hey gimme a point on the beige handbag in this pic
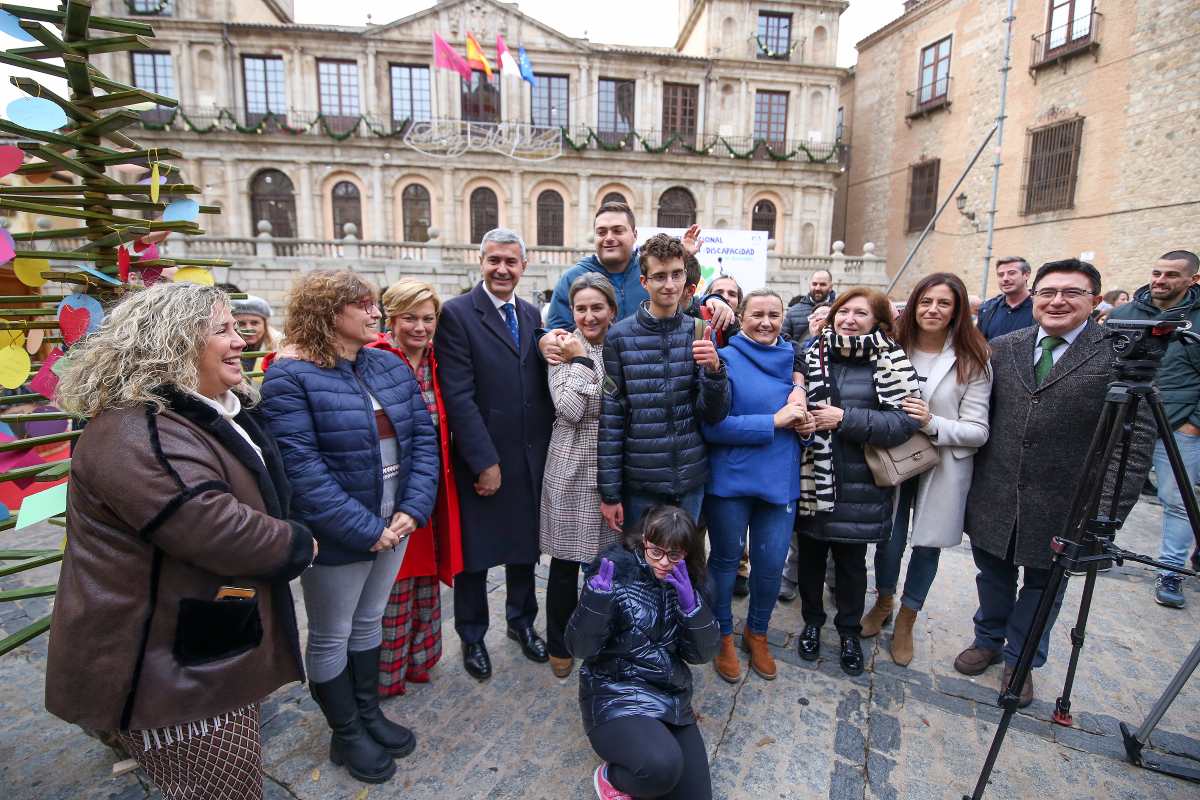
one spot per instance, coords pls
(892, 466)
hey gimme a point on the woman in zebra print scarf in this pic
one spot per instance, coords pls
(856, 378)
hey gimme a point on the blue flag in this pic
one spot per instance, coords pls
(526, 67)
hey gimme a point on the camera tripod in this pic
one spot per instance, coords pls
(1087, 545)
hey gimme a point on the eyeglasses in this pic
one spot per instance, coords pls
(658, 554)
(1068, 294)
(675, 276)
(366, 304)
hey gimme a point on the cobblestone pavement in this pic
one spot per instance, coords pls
(919, 732)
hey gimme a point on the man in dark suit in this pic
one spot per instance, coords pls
(1047, 395)
(500, 413)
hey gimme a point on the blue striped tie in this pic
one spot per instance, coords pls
(510, 317)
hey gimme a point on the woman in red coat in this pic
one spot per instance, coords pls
(412, 623)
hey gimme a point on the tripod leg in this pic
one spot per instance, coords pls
(1135, 742)
(1178, 470)
(1062, 706)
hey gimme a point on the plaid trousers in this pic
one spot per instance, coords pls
(412, 634)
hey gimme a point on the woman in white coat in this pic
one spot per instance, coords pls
(951, 359)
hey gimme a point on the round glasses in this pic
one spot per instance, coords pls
(658, 554)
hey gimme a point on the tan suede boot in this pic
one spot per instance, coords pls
(902, 643)
(879, 615)
(761, 660)
(726, 663)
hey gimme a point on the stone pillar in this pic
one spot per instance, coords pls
(584, 201)
(306, 226)
(744, 114)
(739, 206)
(297, 90)
(186, 88)
(263, 246)
(792, 242)
(369, 102)
(379, 203)
(647, 213)
(237, 201)
(586, 113)
(450, 232)
(706, 213)
(515, 216)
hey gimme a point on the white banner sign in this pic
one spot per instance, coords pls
(740, 254)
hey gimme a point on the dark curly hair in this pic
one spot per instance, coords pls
(670, 528)
(663, 247)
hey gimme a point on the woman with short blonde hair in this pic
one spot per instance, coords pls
(412, 626)
(174, 488)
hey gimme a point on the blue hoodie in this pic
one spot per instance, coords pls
(747, 455)
(628, 286)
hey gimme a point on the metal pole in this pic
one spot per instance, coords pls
(949, 196)
(1000, 117)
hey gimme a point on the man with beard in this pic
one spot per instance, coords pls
(1173, 294)
(1012, 309)
(820, 292)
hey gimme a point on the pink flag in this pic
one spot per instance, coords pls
(508, 64)
(445, 57)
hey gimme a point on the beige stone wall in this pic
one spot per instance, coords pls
(1139, 167)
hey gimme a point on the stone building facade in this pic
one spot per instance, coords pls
(312, 127)
(1101, 150)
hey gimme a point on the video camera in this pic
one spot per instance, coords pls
(1140, 344)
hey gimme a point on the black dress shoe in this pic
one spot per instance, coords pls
(852, 656)
(477, 661)
(532, 645)
(810, 643)
(741, 586)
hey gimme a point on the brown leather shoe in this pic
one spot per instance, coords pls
(1026, 696)
(761, 660)
(879, 615)
(976, 660)
(561, 667)
(726, 663)
(902, 636)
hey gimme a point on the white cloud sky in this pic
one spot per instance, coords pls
(635, 22)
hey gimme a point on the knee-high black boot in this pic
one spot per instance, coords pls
(350, 744)
(393, 737)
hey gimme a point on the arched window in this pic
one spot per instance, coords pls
(272, 199)
(614, 197)
(550, 219)
(676, 208)
(762, 218)
(485, 213)
(347, 207)
(414, 201)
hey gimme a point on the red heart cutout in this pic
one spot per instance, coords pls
(74, 323)
(10, 158)
(45, 381)
(123, 264)
(151, 275)
(148, 253)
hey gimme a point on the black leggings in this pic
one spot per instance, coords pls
(650, 758)
(562, 595)
(850, 591)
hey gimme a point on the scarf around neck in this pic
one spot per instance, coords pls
(894, 379)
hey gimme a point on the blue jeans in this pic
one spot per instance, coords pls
(1004, 617)
(770, 529)
(1177, 538)
(638, 503)
(922, 564)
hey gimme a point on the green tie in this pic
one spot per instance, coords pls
(1046, 362)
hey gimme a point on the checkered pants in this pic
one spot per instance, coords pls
(217, 759)
(412, 634)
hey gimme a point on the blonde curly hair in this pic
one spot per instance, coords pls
(150, 340)
(314, 302)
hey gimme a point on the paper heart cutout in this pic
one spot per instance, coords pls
(98, 275)
(154, 238)
(194, 275)
(151, 275)
(12, 338)
(38, 177)
(181, 211)
(29, 271)
(74, 323)
(36, 113)
(149, 252)
(45, 382)
(8, 248)
(14, 367)
(46, 427)
(10, 158)
(33, 340)
(11, 25)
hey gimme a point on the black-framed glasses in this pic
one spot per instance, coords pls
(1071, 293)
(658, 554)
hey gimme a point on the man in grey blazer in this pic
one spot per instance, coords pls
(1047, 396)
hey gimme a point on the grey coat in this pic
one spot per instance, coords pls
(1027, 473)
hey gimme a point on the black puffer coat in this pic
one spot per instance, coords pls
(654, 399)
(863, 511)
(634, 641)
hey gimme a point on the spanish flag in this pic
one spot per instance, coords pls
(475, 56)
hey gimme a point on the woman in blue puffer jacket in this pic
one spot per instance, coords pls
(361, 453)
(640, 621)
(753, 477)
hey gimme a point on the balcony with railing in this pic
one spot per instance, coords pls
(1080, 35)
(930, 97)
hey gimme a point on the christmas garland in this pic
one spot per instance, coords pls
(769, 53)
(272, 122)
(579, 145)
